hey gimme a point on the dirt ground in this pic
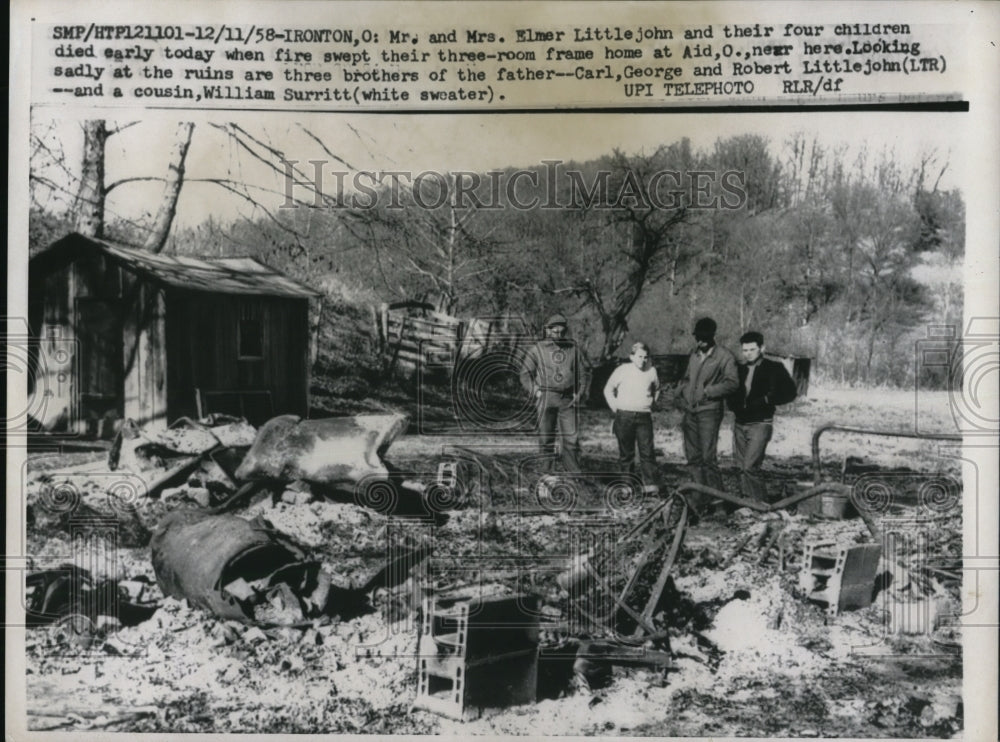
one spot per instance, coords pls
(751, 657)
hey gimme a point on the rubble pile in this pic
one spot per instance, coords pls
(280, 599)
(328, 670)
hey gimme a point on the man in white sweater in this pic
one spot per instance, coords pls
(631, 393)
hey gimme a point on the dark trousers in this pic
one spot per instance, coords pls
(634, 431)
(701, 442)
(749, 444)
(557, 413)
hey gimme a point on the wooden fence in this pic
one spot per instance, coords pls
(414, 334)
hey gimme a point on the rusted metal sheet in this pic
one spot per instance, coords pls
(134, 448)
(241, 276)
(247, 571)
(237, 569)
(333, 450)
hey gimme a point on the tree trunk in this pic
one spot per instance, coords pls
(625, 298)
(807, 289)
(871, 353)
(171, 189)
(850, 282)
(612, 341)
(89, 203)
(451, 294)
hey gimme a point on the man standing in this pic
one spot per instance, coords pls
(710, 378)
(551, 374)
(763, 385)
(631, 393)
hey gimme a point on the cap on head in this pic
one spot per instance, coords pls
(705, 328)
(556, 319)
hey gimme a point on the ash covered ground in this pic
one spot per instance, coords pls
(751, 657)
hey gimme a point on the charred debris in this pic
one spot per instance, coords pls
(612, 604)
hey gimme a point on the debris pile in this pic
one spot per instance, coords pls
(71, 592)
(202, 451)
(295, 617)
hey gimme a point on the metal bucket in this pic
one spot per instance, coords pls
(829, 505)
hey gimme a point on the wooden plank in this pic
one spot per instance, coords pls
(432, 318)
(445, 318)
(408, 345)
(425, 321)
(145, 355)
(430, 336)
(395, 350)
(409, 355)
(415, 342)
(415, 328)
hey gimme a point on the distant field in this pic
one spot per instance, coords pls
(873, 409)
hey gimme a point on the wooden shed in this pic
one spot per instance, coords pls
(154, 337)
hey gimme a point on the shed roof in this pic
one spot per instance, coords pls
(215, 275)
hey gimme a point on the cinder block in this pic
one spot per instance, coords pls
(475, 653)
(840, 577)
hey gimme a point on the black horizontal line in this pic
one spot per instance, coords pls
(960, 106)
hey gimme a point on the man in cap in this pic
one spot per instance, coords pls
(552, 375)
(763, 385)
(710, 378)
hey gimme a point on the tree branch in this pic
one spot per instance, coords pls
(326, 149)
(123, 181)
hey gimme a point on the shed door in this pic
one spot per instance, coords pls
(99, 332)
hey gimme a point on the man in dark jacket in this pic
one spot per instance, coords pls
(710, 378)
(764, 384)
(553, 376)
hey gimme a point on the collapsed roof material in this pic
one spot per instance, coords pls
(333, 450)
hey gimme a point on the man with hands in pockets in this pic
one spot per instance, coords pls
(763, 385)
(631, 392)
(709, 379)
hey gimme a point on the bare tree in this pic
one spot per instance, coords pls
(88, 210)
(173, 182)
(618, 234)
(89, 203)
